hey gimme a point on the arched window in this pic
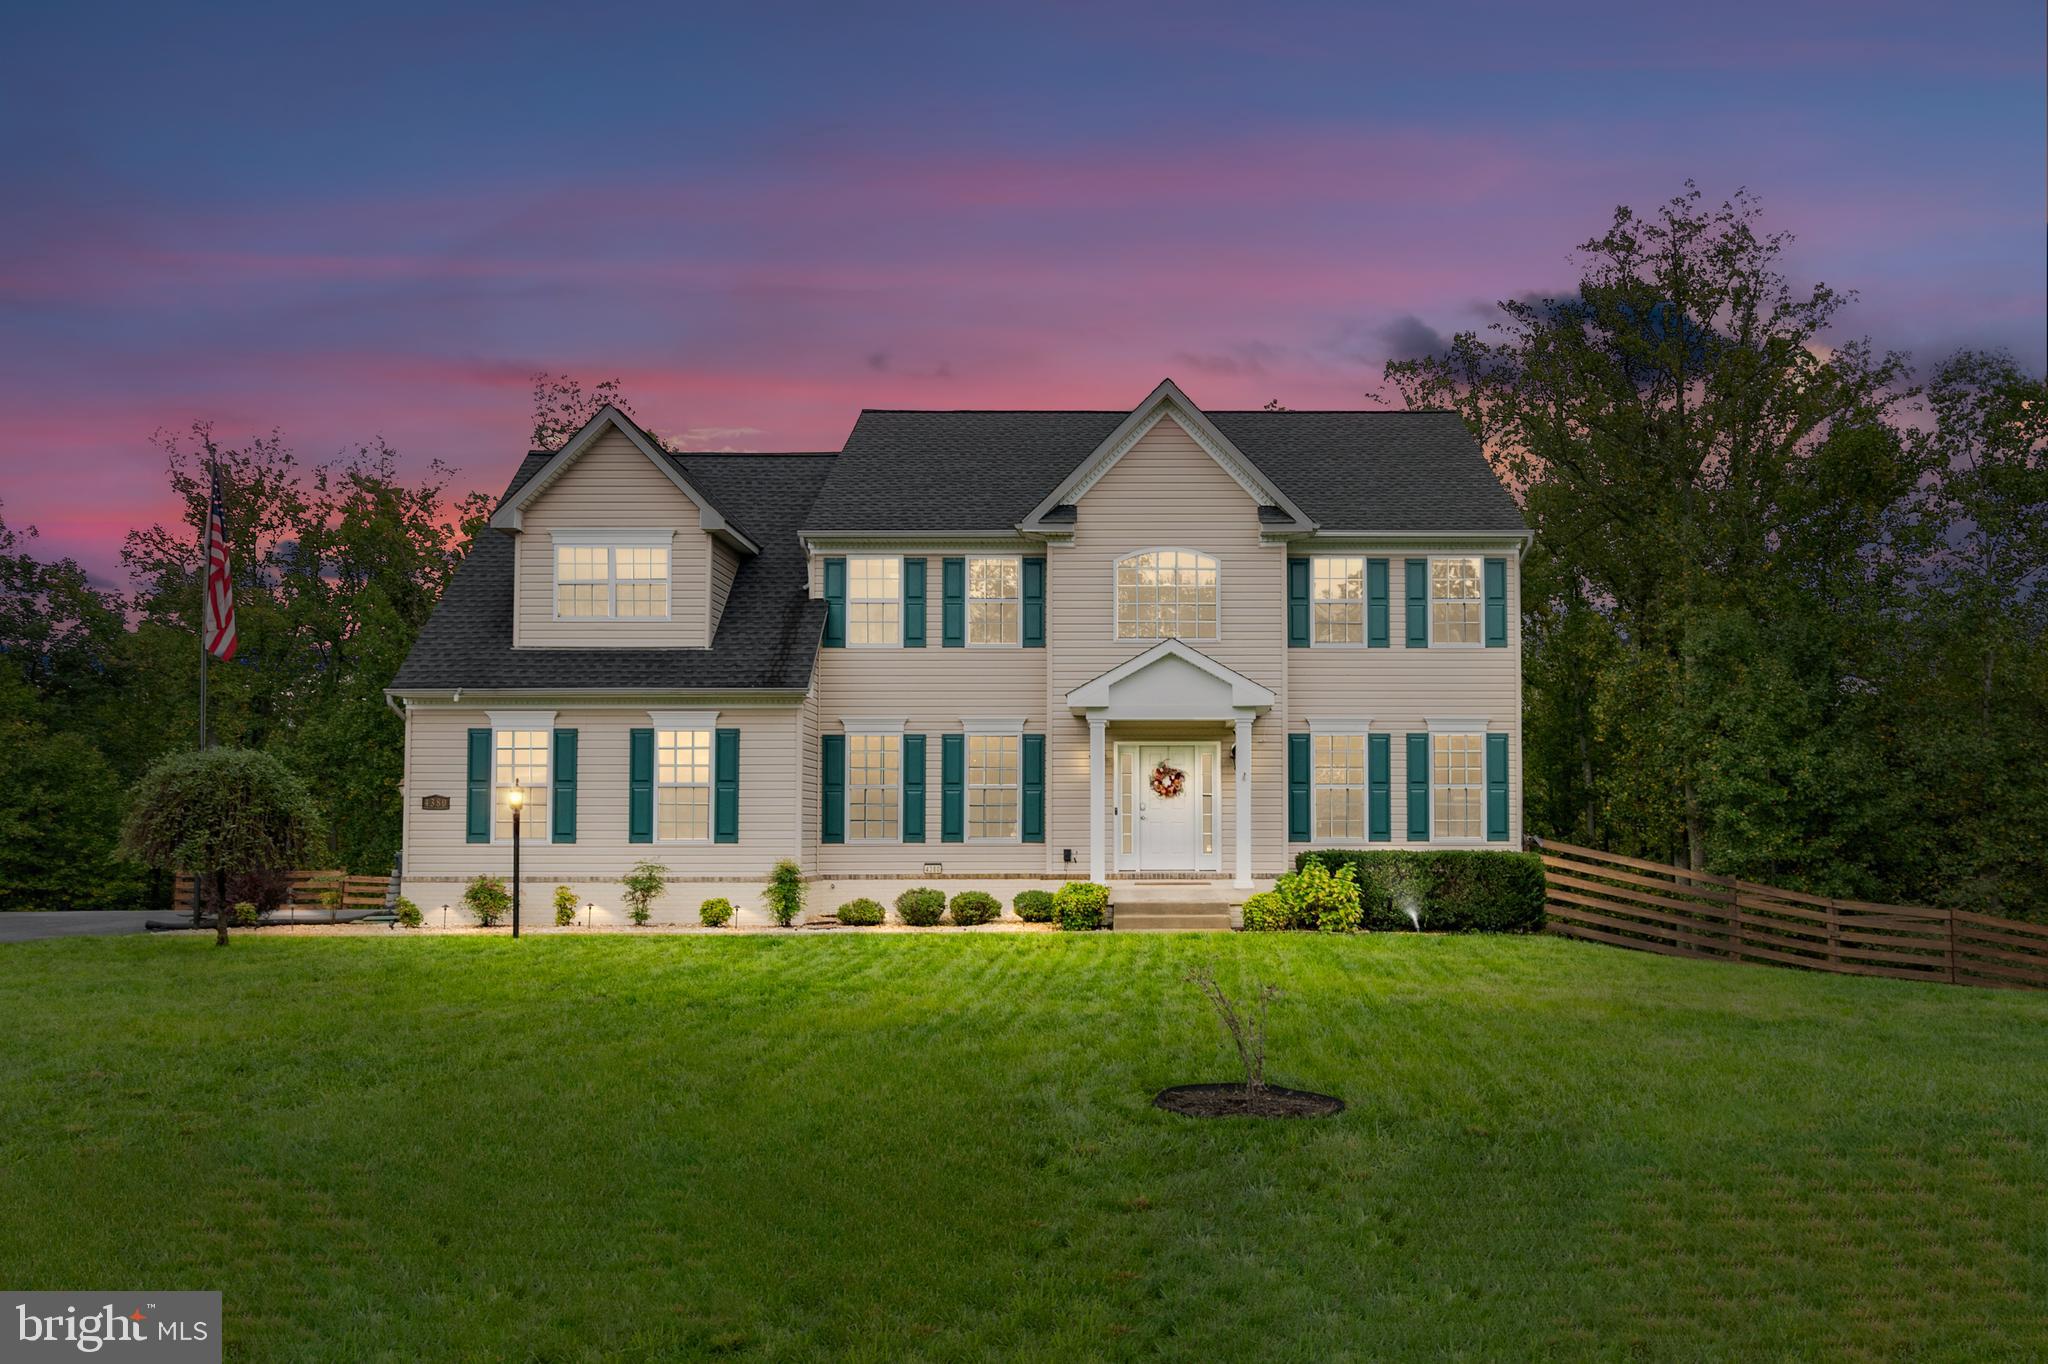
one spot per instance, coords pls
(1166, 594)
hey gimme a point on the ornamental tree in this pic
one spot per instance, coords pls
(220, 812)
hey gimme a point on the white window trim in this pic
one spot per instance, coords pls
(967, 625)
(706, 721)
(869, 724)
(978, 727)
(1347, 728)
(852, 600)
(1464, 726)
(892, 729)
(1364, 602)
(590, 538)
(521, 720)
(1430, 600)
(1116, 617)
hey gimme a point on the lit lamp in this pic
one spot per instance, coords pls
(515, 798)
(588, 907)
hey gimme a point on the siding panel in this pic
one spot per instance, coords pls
(613, 485)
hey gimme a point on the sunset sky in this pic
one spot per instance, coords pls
(351, 220)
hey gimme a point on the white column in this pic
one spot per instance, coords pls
(1244, 803)
(1098, 813)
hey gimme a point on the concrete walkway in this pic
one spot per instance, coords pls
(32, 924)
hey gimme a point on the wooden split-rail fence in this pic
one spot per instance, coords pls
(307, 891)
(1629, 902)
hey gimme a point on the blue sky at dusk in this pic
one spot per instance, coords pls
(352, 220)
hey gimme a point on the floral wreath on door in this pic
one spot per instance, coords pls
(1168, 781)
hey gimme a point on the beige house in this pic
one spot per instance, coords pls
(975, 649)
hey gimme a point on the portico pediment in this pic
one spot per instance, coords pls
(1170, 681)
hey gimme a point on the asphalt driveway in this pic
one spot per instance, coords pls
(29, 925)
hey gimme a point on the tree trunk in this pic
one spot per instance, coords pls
(220, 908)
(1695, 830)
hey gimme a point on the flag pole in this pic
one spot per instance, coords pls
(205, 554)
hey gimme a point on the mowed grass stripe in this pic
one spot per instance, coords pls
(902, 1147)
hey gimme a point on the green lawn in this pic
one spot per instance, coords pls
(942, 1147)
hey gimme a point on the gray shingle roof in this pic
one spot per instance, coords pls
(969, 471)
(939, 472)
(767, 638)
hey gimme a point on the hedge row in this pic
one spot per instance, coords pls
(1472, 891)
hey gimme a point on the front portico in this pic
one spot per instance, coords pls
(1176, 706)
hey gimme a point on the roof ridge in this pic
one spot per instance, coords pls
(1124, 411)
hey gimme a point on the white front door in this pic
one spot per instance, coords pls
(1161, 795)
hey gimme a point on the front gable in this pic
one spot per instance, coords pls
(612, 430)
(1166, 403)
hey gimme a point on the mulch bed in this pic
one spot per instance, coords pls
(1230, 1101)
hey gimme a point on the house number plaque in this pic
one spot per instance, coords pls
(433, 802)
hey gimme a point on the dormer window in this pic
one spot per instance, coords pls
(612, 575)
(1166, 594)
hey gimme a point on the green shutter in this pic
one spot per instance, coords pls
(1497, 788)
(1299, 827)
(835, 603)
(1033, 810)
(952, 787)
(640, 786)
(1418, 788)
(1376, 603)
(1418, 603)
(1034, 604)
(565, 786)
(1297, 603)
(725, 787)
(479, 786)
(913, 603)
(953, 584)
(832, 788)
(1497, 604)
(913, 788)
(1379, 794)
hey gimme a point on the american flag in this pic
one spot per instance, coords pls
(219, 625)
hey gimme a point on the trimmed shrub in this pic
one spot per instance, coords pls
(1079, 906)
(1322, 897)
(971, 907)
(784, 895)
(921, 906)
(715, 912)
(1475, 890)
(1033, 906)
(487, 898)
(408, 913)
(565, 906)
(1266, 912)
(243, 915)
(862, 913)
(646, 883)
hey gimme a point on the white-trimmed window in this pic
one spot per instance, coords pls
(1339, 768)
(993, 804)
(1454, 601)
(1457, 785)
(1166, 594)
(1338, 585)
(995, 601)
(682, 785)
(874, 787)
(874, 600)
(520, 762)
(612, 575)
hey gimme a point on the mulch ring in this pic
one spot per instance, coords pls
(1232, 1101)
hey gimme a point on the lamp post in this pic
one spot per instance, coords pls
(588, 906)
(515, 798)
